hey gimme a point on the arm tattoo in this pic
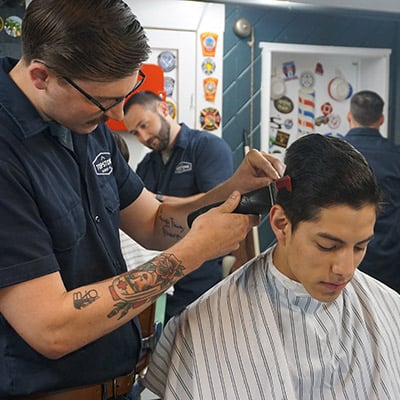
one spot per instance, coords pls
(81, 301)
(171, 228)
(144, 284)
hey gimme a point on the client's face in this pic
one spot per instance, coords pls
(322, 255)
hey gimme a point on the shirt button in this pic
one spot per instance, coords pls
(97, 219)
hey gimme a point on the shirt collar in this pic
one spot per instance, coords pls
(62, 134)
(14, 102)
(183, 136)
(363, 131)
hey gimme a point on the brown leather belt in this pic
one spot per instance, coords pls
(101, 391)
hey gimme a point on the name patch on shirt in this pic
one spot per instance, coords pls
(183, 166)
(103, 164)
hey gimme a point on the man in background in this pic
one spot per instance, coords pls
(299, 321)
(183, 163)
(365, 118)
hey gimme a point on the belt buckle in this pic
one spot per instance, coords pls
(114, 382)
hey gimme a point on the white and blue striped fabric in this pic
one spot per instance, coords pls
(259, 335)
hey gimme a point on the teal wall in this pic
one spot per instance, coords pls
(300, 26)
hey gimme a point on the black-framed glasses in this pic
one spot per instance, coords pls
(113, 102)
(104, 108)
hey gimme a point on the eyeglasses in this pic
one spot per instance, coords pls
(111, 103)
(104, 108)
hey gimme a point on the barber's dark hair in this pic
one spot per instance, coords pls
(99, 40)
(366, 107)
(326, 171)
(145, 98)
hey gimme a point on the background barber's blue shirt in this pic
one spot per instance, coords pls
(382, 259)
(198, 162)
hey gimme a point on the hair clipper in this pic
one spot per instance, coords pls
(256, 202)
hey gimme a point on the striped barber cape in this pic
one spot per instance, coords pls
(260, 335)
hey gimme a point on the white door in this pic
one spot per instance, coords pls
(182, 45)
(180, 68)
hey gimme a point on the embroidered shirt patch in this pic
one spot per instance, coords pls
(183, 166)
(103, 164)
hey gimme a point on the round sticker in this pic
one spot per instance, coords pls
(339, 89)
(334, 121)
(278, 87)
(288, 123)
(326, 108)
(284, 105)
(169, 84)
(172, 108)
(210, 119)
(307, 79)
(167, 61)
(208, 66)
(13, 26)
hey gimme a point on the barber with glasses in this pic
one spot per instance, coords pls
(67, 302)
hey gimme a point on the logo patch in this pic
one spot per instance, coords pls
(183, 166)
(102, 164)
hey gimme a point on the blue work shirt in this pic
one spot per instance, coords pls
(198, 162)
(383, 253)
(59, 212)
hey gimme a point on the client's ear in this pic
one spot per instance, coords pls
(279, 222)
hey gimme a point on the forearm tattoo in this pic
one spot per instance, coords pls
(170, 228)
(144, 284)
(83, 300)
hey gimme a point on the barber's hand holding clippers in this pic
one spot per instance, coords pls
(257, 202)
(247, 194)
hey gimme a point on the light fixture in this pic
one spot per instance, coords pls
(242, 28)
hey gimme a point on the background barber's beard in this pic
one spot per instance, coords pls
(163, 136)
